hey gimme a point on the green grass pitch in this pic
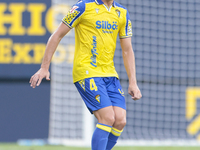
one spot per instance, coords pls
(48, 147)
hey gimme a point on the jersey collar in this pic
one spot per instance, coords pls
(99, 2)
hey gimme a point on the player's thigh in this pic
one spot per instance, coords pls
(94, 93)
(105, 115)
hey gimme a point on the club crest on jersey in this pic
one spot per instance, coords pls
(73, 9)
(118, 12)
(98, 98)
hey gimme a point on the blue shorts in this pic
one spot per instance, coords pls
(100, 92)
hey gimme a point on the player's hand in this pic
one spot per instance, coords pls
(134, 91)
(36, 79)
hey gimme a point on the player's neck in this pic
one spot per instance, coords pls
(108, 2)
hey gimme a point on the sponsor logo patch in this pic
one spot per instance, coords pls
(94, 52)
(106, 25)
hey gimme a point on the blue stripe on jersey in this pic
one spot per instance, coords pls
(127, 16)
(99, 2)
(127, 19)
(119, 5)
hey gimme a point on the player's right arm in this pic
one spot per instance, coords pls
(72, 19)
(51, 46)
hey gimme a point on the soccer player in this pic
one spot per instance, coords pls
(97, 24)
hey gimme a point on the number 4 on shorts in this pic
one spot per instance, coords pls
(93, 85)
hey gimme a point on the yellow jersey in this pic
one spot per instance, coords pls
(96, 30)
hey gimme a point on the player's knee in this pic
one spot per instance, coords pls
(105, 116)
(123, 123)
(109, 119)
(120, 122)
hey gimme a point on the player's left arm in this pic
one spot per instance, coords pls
(129, 63)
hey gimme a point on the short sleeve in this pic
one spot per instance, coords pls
(126, 28)
(73, 16)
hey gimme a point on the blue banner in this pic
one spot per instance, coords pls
(25, 27)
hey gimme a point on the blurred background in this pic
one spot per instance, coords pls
(165, 40)
(24, 31)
